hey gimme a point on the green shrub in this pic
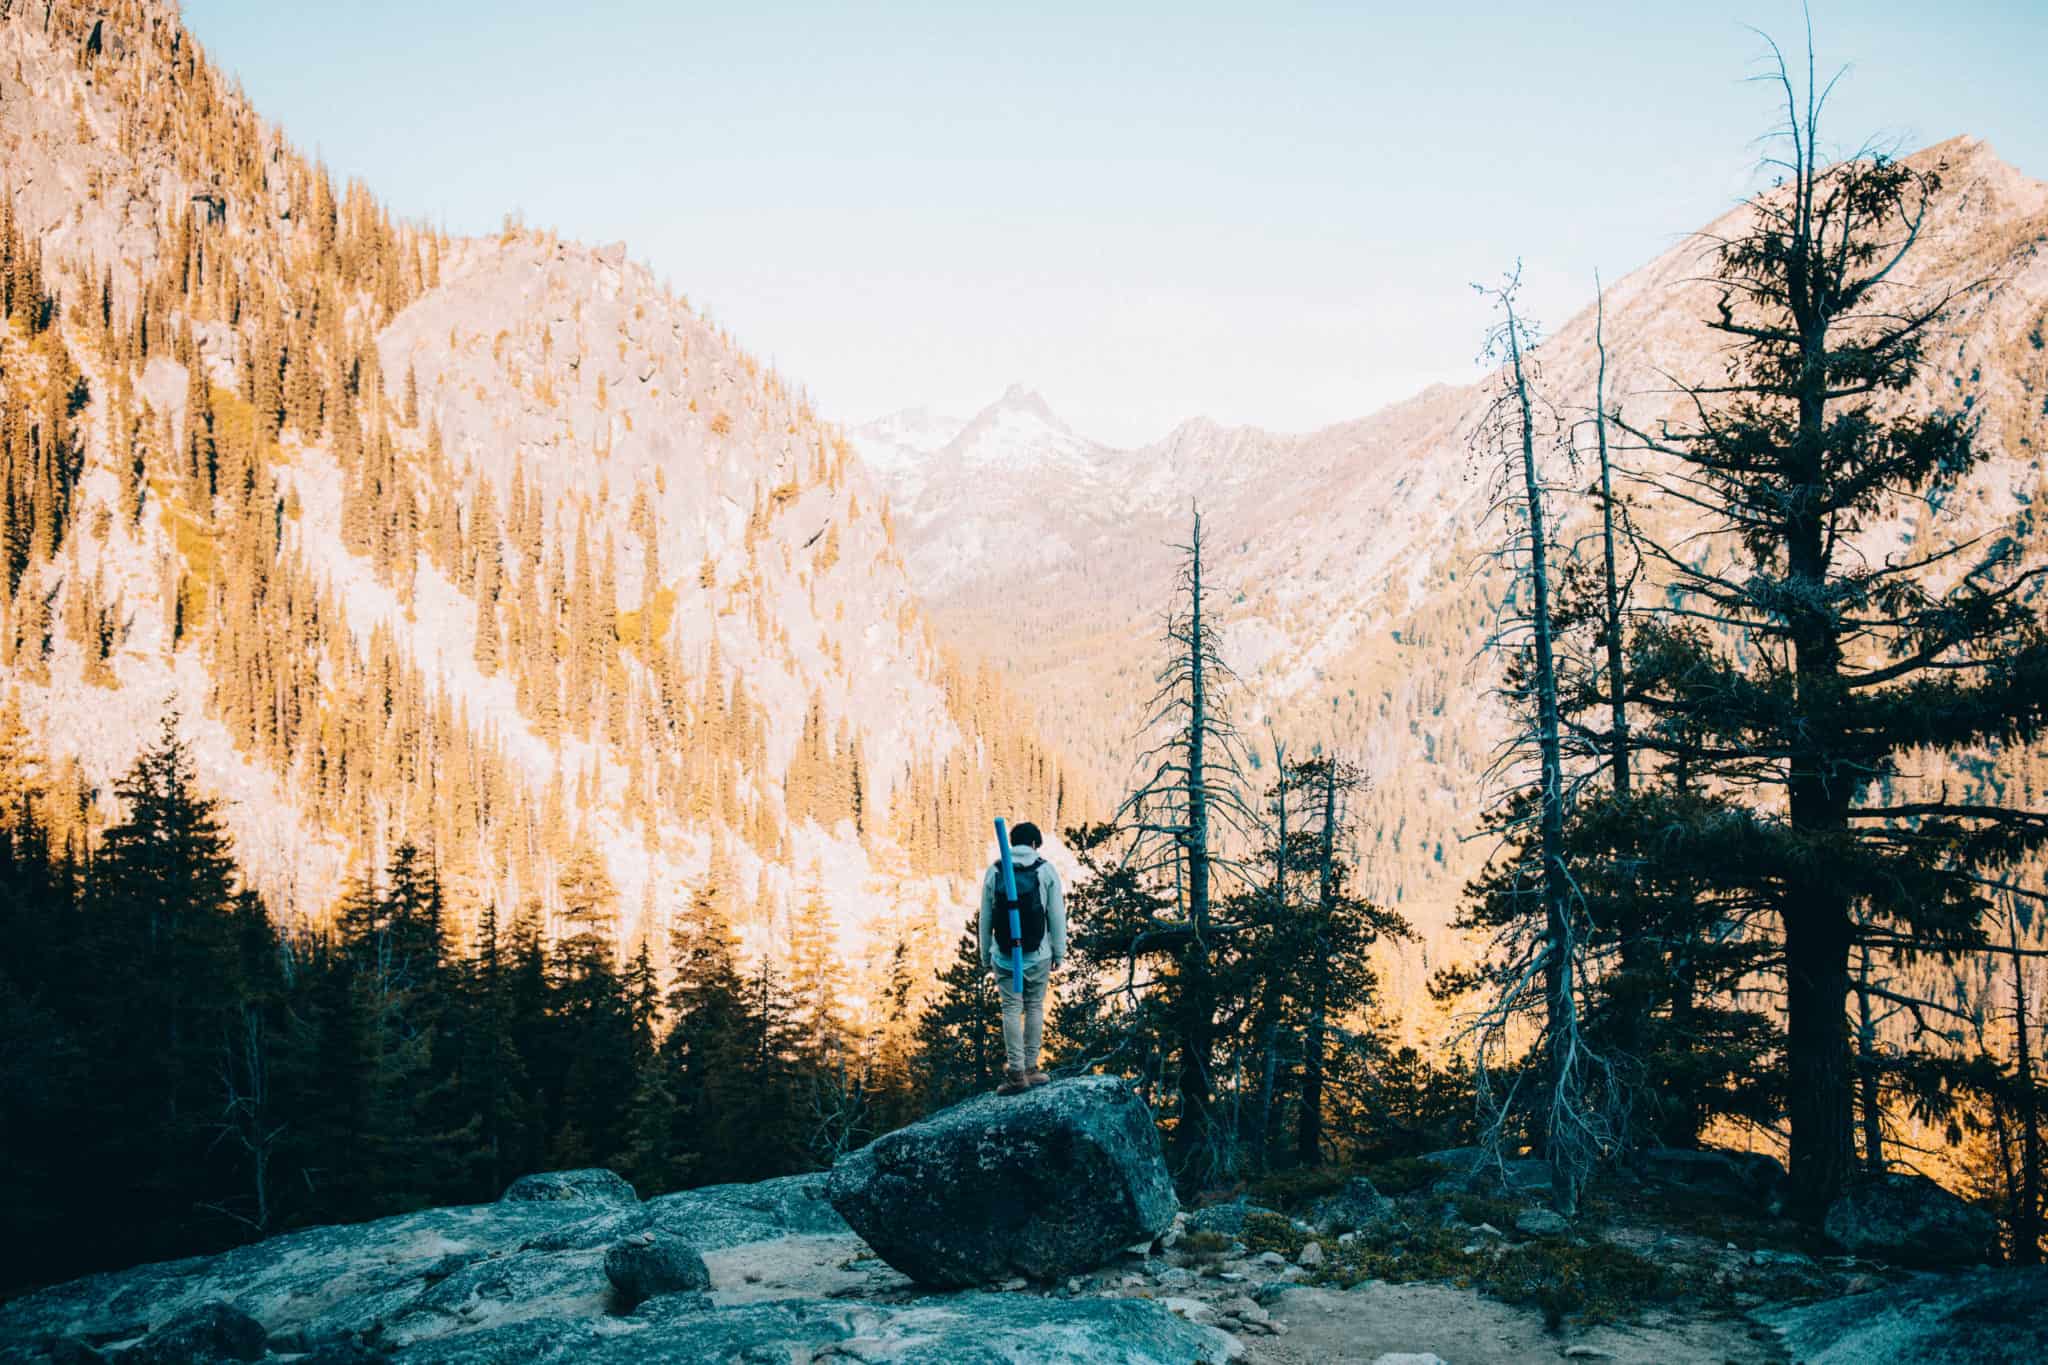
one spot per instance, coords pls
(1273, 1232)
(1478, 1208)
(1206, 1244)
(1597, 1283)
(1403, 1175)
(1295, 1189)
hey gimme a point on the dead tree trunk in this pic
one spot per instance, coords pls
(2026, 1221)
(1559, 989)
(1869, 1101)
(1309, 1135)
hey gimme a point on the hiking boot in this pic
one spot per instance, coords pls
(1014, 1083)
(1035, 1078)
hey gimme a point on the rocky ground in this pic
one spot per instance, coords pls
(1464, 1266)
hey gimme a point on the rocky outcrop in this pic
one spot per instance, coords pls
(1753, 1177)
(1909, 1220)
(1041, 1185)
(573, 1267)
(1357, 1205)
(213, 1331)
(1992, 1317)
(1477, 1170)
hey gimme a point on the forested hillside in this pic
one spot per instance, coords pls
(491, 545)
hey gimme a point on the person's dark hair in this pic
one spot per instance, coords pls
(1026, 834)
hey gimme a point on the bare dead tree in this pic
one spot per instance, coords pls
(245, 1120)
(1574, 1137)
(1188, 819)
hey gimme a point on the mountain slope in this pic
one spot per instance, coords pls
(491, 543)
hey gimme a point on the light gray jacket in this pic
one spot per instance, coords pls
(1053, 947)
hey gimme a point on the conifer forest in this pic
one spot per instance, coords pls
(463, 717)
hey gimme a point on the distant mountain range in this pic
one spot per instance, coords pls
(1358, 590)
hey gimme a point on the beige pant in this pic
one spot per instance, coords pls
(1023, 1015)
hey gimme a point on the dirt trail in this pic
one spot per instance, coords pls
(1356, 1326)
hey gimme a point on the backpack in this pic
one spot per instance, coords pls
(1030, 909)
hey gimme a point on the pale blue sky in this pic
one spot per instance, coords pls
(1262, 213)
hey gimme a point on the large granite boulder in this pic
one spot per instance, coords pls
(1993, 1317)
(1043, 1185)
(1909, 1220)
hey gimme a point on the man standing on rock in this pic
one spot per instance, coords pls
(1042, 913)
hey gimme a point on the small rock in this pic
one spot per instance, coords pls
(1487, 1230)
(1542, 1223)
(1408, 1358)
(1013, 1284)
(1194, 1310)
(642, 1267)
(1583, 1352)
(1792, 1259)
(591, 1185)
(212, 1331)
(1357, 1205)
(1269, 1258)
(1227, 1218)
(1175, 1277)
(1347, 1239)
(1073, 1285)
(1232, 1276)
(1311, 1255)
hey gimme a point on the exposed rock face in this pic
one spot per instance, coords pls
(1992, 1317)
(213, 1331)
(1042, 1185)
(570, 1267)
(959, 1329)
(1910, 1220)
